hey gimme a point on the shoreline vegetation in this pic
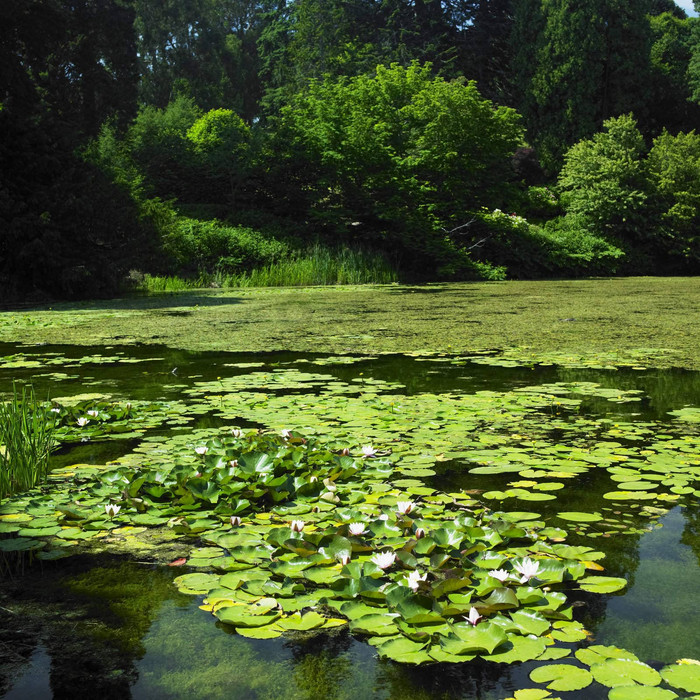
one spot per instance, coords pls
(581, 317)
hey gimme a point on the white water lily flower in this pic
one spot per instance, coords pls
(368, 451)
(236, 432)
(384, 559)
(420, 533)
(474, 617)
(55, 409)
(297, 525)
(527, 569)
(286, 434)
(414, 579)
(112, 510)
(344, 559)
(82, 421)
(405, 507)
(201, 450)
(235, 521)
(500, 574)
(94, 414)
(356, 528)
(233, 463)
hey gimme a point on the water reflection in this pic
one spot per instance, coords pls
(655, 618)
(87, 618)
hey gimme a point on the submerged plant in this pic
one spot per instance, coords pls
(26, 441)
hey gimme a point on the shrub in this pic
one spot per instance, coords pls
(563, 247)
(400, 155)
(603, 181)
(674, 170)
(157, 142)
(205, 246)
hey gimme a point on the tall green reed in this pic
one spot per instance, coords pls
(318, 265)
(26, 441)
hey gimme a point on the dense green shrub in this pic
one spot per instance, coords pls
(603, 180)
(196, 246)
(575, 250)
(158, 144)
(539, 203)
(563, 247)
(673, 166)
(400, 156)
(221, 144)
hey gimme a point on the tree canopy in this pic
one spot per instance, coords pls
(410, 126)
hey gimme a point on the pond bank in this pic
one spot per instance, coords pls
(572, 316)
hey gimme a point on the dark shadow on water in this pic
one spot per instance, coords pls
(77, 624)
(146, 300)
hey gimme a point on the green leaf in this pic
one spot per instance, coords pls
(530, 622)
(297, 622)
(602, 584)
(614, 672)
(562, 677)
(597, 653)
(378, 625)
(685, 676)
(516, 649)
(400, 649)
(484, 637)
(196, 584)
(579, 517)
(240, 616)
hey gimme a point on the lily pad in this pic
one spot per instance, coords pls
(615, 672)
(562, 677)
(602, 584)
(685, 676)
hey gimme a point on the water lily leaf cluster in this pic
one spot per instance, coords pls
(305, 539)
(92, 419)
(436, 527)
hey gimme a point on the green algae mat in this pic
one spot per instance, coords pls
(470, 511)
(569, 318)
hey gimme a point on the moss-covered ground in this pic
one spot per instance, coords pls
(576, 316)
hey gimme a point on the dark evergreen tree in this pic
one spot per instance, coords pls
(486, 49)
(581, 62)
(202, 49)
(671, 106)
(64, 228)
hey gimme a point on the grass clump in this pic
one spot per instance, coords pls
(318, 265)
(26, 442)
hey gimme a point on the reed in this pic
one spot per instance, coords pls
(318, 265)
(26, 441)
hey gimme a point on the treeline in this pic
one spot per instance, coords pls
(439, 140)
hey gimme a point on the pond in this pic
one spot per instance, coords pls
(590, 461)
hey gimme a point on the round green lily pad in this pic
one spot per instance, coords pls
(615, 672)
(562, 677)
(578, 517)
(685, 676)
(602, 584)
